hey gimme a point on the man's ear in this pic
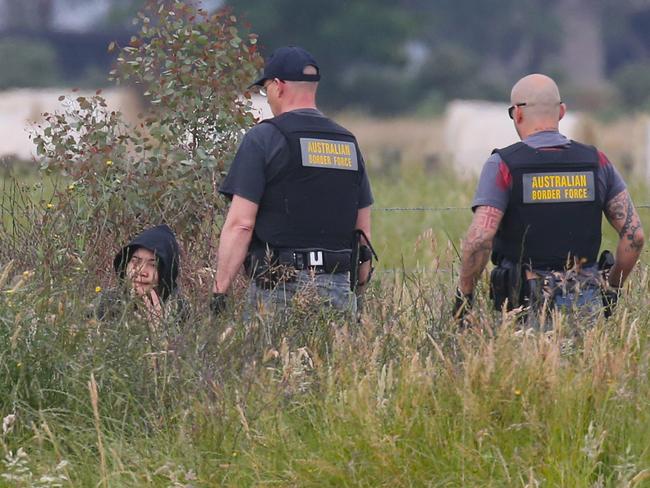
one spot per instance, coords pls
(562, 110)
(280, 85)
(519, 115)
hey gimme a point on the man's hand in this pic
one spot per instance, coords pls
(610, 299)
(364, 270)
(462, 305)
(218, 304)
(153, 309)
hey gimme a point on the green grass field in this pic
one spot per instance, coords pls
(402, 399)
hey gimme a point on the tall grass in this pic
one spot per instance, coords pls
(401, 399)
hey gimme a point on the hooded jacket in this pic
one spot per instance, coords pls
(162, 242)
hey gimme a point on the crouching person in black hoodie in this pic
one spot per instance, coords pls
(147, 269)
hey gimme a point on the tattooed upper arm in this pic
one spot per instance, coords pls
(483, 228)
(478, 244)
(487, 219)
(622, 215)
(616, 208)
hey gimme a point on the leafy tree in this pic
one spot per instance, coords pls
(191, 67)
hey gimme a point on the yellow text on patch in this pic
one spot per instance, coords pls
(554, 181)
(329, 148)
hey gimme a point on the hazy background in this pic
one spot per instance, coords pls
(380, 56)
(381, 60)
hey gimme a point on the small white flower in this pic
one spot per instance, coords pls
(8, 423)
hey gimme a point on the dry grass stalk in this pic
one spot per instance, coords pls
(94, 400)
(4, 277)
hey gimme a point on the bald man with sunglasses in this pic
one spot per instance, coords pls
(538, 211)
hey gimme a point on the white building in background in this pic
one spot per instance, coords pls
(21, 111)
(261, 108)
(473, 128)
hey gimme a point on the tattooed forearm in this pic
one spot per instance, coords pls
(631, 227)
(478, 244)
(622, 215)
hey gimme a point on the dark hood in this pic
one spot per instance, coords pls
(162, 242)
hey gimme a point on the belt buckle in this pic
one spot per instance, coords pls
(315, 258)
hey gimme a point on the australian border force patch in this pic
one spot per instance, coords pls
(323, 153)
(563, 187)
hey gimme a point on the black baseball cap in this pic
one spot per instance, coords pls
(287, 64)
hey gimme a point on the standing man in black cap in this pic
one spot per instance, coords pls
(300, 211)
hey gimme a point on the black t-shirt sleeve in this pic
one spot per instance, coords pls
(365, 193)
(257, 160)
(246, 177)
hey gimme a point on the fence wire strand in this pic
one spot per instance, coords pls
(379, 270)
(452, 209)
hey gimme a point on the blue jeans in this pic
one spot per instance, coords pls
(321, 290)
(587, 300)
(581, 305)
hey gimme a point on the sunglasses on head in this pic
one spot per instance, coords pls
(511, 108)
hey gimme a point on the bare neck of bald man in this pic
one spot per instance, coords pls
(542, 110)
(300, 94)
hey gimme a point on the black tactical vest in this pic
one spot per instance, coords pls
(555, 209)
(313, 201)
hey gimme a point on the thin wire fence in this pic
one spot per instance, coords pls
(450, 209)
(644, 206)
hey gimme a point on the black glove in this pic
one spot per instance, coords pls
(606, 261)
(218, 303)
(360, 306)
(462, 305)
(610, 299)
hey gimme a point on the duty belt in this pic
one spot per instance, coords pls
(270, 267)
(317, 260)
(320, 261)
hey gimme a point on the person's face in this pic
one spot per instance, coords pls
(142, 271)
(271, 89)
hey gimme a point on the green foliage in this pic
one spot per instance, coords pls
(192, 67)
(400, 399)
(633, 81)
(495, 29)
(337, 32)
(451, 71)
(121, 12)
(347, 38)
(463, 48)
(27, 62)
(367, 86)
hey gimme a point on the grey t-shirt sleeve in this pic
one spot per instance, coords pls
(247, 175)
(610, 180)
(493, 187)
(365, 193)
